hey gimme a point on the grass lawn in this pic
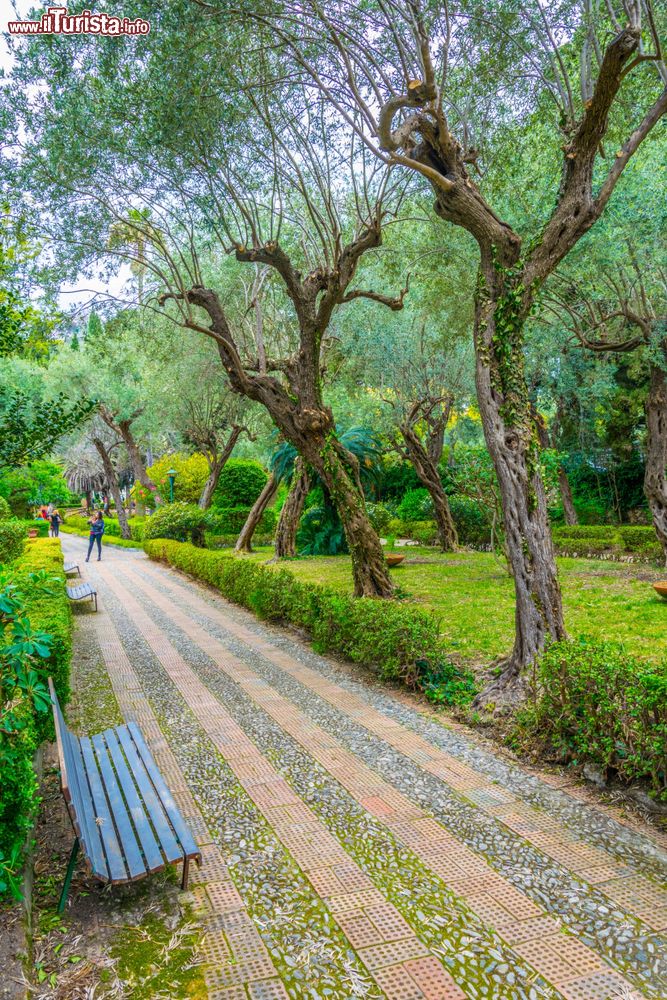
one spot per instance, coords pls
(473, 597)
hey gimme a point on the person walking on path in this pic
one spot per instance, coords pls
(56, 520)
(96, 531)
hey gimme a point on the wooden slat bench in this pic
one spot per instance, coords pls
(71, 568)
(124, 817)
(82, 590)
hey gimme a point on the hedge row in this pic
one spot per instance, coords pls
(111, 527)
(398, 641)
(607, 539)
(49, 613)
(107, 539)
(597, 704)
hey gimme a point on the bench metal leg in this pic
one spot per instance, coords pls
(186, 874)
(94, 597)
(68, 877)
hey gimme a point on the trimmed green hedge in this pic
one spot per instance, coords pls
(48, 613)
(126, 543)
(111, 527)
(42, 527)
(607, 539)
(397, 640)
(12, 540)
(597, 704)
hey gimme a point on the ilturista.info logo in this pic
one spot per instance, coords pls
(57, 21)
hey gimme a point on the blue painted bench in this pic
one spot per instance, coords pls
(81, 591)
(125, 819)
(71, 568)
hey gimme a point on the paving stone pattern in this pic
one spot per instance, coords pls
(353, 847)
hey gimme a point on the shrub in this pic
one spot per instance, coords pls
(38, 523)
(241, 482)
(180, 521)
(424, 532)
(230, 520)
(380, 517)
(603, 531)
(416, 505)
(12, 540)
(191, 475)
(639, 538)
(36, 642)
(595, 703)
(472, 524)
(399, 641)
(587, 539)
(5, 510)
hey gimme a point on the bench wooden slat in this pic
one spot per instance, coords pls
(79, 591)
(83, 808)
(77, 793)
(182, 831)
(149, 845)
(112, 848)
(170, 847)
(130, 847)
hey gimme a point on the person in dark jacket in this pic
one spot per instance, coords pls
(56, 521)
(96, 531)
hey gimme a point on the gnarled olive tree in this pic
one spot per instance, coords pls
(411, 79)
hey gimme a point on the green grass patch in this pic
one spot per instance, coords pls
(473, 598)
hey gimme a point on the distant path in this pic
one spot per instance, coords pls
(353, 847)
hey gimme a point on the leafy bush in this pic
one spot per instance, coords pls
(230, 520)
(191, 475)
(399, 641)
(380, 517)
(472, 523)
(638, 537)
(35, 624)
(416, 505)
(5, 510)
(180, 521)
(39, 524)
(111, 527)
(12, 540)
(424, 532)
(595, 703)
(604, 531)
(241, 482)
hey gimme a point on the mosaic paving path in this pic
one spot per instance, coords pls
(353, 847)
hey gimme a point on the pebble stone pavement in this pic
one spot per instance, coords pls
(352, 846)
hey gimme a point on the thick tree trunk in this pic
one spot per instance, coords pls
(655, 477)
(244, 541)
(429, 477)
(511, 438)
(290, 515)
(569, 512)
(369, 566)
(114, 487)
(136, 460)
(216, 464)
